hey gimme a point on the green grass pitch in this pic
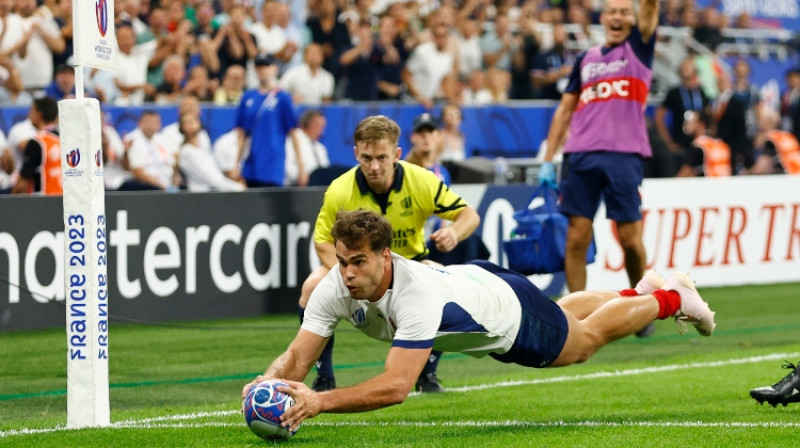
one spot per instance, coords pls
(179, 385)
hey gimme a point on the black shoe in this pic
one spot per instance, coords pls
(784, 391)
(427, 383)
(323, 383)
(648, 330)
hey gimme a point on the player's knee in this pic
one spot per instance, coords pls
(309, 284)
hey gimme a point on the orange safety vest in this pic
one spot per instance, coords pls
(716, 156)
(788, 150)
(51, 163)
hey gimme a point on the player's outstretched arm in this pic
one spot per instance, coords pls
(648, 18)
(295, 362)
(390, 387)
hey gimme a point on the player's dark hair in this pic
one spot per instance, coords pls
(354, 228)
(47, 108)
(376, 128)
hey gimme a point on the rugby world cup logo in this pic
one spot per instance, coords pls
(74, 158)
(101, 13)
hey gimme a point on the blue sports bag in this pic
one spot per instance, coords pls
(538, 243)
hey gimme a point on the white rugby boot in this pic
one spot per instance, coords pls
(650, 282)
(694, 309)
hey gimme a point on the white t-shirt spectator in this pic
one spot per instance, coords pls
(314, 155)
(36, 69)
(226, 150)
(173, 139)
(132, 70)
(428, 67)
(310, 88)
(151, 155)
(201, 171)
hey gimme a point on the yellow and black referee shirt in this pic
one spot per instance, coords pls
(416, 194)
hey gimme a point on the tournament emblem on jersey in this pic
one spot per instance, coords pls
(406, 202)
(101, 13)
(359, 318)
(74, 158)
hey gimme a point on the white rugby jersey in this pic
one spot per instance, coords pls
(457, 308)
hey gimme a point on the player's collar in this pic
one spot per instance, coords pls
(397, 185)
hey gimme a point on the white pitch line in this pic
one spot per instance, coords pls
(156, 422)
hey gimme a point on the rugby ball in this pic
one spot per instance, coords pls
(263, 407)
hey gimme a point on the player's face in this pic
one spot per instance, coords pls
(364, 271)
(618, 18)
(377, 160)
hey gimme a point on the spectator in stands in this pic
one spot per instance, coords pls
(730, 124)
(452, 137)
(525, 55)
(171, 90)
(266, 115)
(312, 151)
(475, 92)
(470, 54)
(686, 97)
(12, 91)
(128, 12)
(292, 53)
(790, 102)
(708, 156)
(391, 53)
(329, 32)
(100, 83)
(361, 62)
(232, 87)
(749, 94)
(132, 63)
(7, 165)
(35, 60)
(709, 30)
(226, 153)
(427, 147)
(234, 44)
(14, 36)
(498, 83)
(41, 166)
(497, 44)
(309, 83)
(551, 72)
(199, 85)
(270, 37)
(430, 72)
(62, 14)
(777, 151)
(151, 162)
(115, 172)
(172, 138)
(197, 164)
(63, 86)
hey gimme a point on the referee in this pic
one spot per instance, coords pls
(406, 195)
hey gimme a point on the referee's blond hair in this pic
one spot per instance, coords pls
(376, 128)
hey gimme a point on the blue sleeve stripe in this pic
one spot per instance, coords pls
(428, 343)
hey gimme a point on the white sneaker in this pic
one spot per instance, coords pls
(650, 282)
(694, 309)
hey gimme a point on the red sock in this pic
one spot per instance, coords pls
(668, 302)
(628, 292)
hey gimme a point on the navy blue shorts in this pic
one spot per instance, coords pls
(614, 177)
(543, 328)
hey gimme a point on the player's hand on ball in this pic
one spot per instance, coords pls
(250, 385)
(307, 404)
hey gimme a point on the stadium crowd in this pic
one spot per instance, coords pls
(429, 52)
